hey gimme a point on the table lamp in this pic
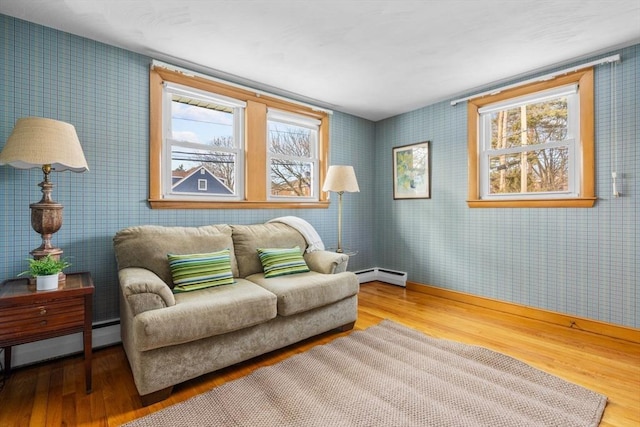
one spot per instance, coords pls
(51, 145)
(340, 178)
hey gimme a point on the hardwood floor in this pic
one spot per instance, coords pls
(53, 394)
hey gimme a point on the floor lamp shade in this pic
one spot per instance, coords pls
(50, 145)
(340, 178)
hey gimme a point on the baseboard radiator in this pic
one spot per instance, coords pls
(103, 334)
(398, 278)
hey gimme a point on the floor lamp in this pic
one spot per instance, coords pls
(339, 179)
(50, 145)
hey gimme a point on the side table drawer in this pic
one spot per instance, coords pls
(20, 322)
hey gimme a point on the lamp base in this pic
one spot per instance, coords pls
(46, 219)
(41, 252)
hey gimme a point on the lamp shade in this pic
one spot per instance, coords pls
(341, 178)
(37, 141)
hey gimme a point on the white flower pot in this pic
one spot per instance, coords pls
(46, 283)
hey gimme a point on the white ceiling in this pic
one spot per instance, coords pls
(373, 59)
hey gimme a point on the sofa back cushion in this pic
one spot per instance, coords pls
(147, 246)
(248, 238)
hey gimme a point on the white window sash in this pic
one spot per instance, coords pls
(531, 147)
(573, 135)
(279, 116)
(178, 89)
(292, 118)
(314, 178)
(238, 117)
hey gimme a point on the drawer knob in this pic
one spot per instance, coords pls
(43, 311)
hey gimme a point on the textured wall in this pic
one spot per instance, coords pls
(103, 91)
(576, 261)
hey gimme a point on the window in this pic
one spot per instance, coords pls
(533, 146)
(202, 134)
(215, 145)
(291, 155)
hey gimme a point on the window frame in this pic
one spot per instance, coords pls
(287, 118)
(584, 147)
(570, 142)
(238, 107)
(255, 148)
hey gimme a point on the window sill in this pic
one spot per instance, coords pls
(583, 202)
(198, 204)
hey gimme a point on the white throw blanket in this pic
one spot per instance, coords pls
(314, 241)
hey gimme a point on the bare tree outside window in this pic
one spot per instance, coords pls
(534, 169)
(291, 169)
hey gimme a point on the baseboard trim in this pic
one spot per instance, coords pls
(108, 333)
(103, 334)
(566, 320)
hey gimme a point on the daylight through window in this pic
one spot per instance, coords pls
(214, 145)
(533, 146)
(292, 154)
(528, 145)
(205, 141)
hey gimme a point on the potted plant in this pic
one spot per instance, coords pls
(46, 270)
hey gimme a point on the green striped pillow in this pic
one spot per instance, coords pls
(197, 271)
(278, 262)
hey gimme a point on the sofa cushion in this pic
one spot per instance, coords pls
(280, 262)
(204, 313)
(197, 271)
(248, 238)
(305, 291)
(147, 246)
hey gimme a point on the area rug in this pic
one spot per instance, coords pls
(390, 375)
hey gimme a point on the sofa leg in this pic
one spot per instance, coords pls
(156, 396)
(347, 327)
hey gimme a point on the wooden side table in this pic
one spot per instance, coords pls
(27, 315)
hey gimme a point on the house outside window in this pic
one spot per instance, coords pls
(532, 146)
(202, 130)
(260, 151)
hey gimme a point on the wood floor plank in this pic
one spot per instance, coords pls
(52, 393)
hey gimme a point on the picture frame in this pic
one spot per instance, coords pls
(411, 171)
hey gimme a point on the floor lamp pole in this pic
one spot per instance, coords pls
(339, 250)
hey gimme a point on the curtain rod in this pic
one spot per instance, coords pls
(156, 63)
(608, 59)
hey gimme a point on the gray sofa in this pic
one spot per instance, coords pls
(172, 337)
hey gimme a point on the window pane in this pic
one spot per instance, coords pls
(189, 165)
(530, 172)
(290, 178)
(290, 140)
(201, 122)
(545, 122)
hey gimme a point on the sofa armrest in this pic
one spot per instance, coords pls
(326, 262)
(143, 290)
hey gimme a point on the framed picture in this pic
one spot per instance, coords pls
(411, 171)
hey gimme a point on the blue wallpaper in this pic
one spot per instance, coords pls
(575, 261)
(103, 92)
(582, 262)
